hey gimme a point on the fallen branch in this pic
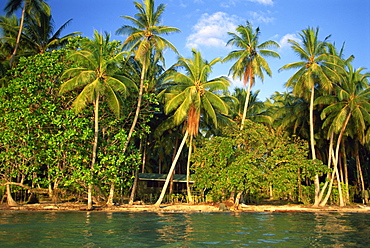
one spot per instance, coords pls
(31, 190)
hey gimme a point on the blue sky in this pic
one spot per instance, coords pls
(205, 23)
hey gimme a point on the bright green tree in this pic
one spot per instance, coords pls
(98, 76)
(254, 161)
(40, 139)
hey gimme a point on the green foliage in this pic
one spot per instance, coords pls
(39, 136)
(251, 161)
(43, 142)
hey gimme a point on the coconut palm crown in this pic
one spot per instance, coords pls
(192, 94)
(250, 61)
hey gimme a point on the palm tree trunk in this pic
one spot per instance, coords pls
(134, 186)
(137, 112)
(95, 146)
(312, 143)
(323, 202)
(358, 166)
(237, 199)
(136, 117)
(341, 202)
(160, 199)
(190, 198)
(110, 202)
(174, 171)
(144, 155)
(335, 160)
(322, 191)
(9, 198)
(345, 165)
(246, 104)
(18, 36)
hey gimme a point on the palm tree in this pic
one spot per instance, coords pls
(144, 39)
(350, 104)
(256, 109)
(98, 76)
(289, 114)
(190, 96)
(316, 69)
(250, 61)
(29, 8)
(8, 31)
(39, 35)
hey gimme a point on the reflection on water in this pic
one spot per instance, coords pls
(100, 229)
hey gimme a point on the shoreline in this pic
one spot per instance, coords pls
(185, 208)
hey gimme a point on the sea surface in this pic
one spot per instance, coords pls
(224, 229)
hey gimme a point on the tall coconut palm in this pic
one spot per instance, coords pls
(350, 104)
(8, 33)
(190, 96)
(256, 109)
(290, 114)
(250, 61)
(317, 69)
(144, 39)
(8, 30)
(39, 35)
(97, 75)
(29, 8)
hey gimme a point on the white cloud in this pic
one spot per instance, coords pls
(284, 40)
(236, 83)
(228, 4)
(265, 2)
(211, 30)
(261, 17)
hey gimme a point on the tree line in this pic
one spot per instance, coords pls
(80, 117)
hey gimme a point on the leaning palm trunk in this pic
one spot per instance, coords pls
(95, 146)
(337, 157)
(160, 199)
(325, 200)
(190, 198)
(173, 158)
(19, 35)
(246, 104)
(341, 201)
(328, 175)
(138, 106)
(336, 161)
(136, 117)
(237, 199)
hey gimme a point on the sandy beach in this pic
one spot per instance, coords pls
(183, 208)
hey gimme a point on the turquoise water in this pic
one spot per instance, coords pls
(120, 229)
